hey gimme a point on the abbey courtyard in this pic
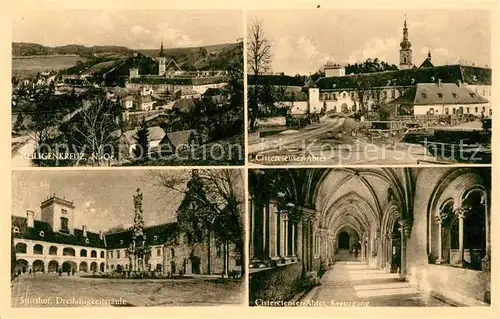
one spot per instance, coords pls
(56, 263)
(372, 112)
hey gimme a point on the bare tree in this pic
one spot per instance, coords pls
(259, 61)
(44, 115)
(91, 131)
(217, 195)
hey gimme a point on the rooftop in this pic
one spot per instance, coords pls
(444, 93)
(43, 232)
(447, 74)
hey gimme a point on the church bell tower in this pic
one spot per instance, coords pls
(405, 53)
(162, 61)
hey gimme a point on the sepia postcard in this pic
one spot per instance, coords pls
(159, 238)
(388, 237)
(250, 159)
(369, 87)
(133, 87)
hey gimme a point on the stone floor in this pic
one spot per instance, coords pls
(51, 290)
(354, 282)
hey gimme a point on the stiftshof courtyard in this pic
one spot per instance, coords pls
(52, 290)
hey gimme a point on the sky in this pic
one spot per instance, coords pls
(134, 29)
(303, 40)
(102, 199)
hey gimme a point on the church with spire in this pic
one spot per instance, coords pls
(405, 53)
(424, 89)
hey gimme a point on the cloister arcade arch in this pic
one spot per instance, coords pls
(406, 220)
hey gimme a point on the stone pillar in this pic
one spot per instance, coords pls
(251, 203)
(363, 248)
(273, 227)
(305, 246)
(404, 229)
(333, 248)
(439, 220)
(379, 250)
(264, 247)
(292, 235)
(300, 239)
(388, 253)
(283, 234)
(460, 212)
(486, 262)
(310, 247)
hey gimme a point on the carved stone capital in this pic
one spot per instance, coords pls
(461, 211)
(405, 227)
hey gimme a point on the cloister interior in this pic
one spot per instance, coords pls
(426, 227)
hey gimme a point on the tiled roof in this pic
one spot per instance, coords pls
(179, 81)
(447, 74)
(78, 82)
(155, 235)
(213, 92)
(119, 92)
(279, 80)
(49, 235)
(444, 93)
(178, 138)
(184, 105)
(426, 64)
(155, 133)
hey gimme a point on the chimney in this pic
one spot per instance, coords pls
(429, 56)
(439, 82)
(459, 83)
(101, 235)
(30, 218)
(84, 229)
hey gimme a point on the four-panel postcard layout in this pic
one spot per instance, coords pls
(258, 158)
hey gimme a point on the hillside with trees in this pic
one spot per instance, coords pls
(29, 49)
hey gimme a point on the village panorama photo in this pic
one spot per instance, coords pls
(127, 87)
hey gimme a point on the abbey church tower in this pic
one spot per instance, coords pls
(405, 53)
(162, 61)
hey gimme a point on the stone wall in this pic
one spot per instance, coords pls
(454, 283)
(274, 284)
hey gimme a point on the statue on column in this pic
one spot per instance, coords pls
(138, 251)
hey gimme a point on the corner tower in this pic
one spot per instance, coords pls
(405, 53)
(59, 213)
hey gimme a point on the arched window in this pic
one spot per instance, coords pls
(93, 254)
(53, 250)
(68, 251)
(38, 249)
(83, 253)
(458, 226)
(64, 224)
(219, 250)
(102, 254)
(172, 252)
(21, 248)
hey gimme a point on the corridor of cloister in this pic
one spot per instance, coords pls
(421, 234)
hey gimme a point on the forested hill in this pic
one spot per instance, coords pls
(28, 49)
(218, 56)
(211, 57)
